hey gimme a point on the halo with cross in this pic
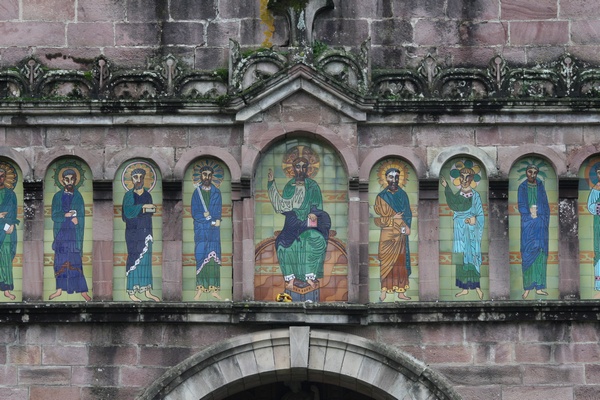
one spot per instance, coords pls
(300, 151)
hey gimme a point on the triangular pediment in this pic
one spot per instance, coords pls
(301, 79)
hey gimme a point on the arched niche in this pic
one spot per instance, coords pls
(300, 354)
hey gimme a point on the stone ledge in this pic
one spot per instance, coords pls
(286, 314)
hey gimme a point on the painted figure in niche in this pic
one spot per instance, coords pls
(394, 219)
(535, 219)
(8, 227)
(207, 206)
(593, 206)
(468, 225)
(137, 215)
(68, 215)
(302, 243)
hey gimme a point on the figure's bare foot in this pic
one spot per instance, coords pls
(86, 296)
(55, 294)
(597, 296)
(525, 294)
(464, 292)
(402, 296)
(151, 296)
(382, 296)
(541, 292)
(216, 295)
(198, 293)
(8, 294)
(135, 298)
(313, 283)
(289, 285)
(479, 293)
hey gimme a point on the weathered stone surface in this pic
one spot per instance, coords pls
(341, 32)
(142, 11)
(137, 34)
(585, 32)
(43, 375)
(183, 33)
(41, 33)
(477, 10)
(217, 35)
(202, 9)
(579, 9)
(48, 10)
(535, 33)
(9, 10)
(100, 10)
(528, 10)
(391, 32)
(90, 34)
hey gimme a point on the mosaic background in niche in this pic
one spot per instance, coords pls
(393, 234)
(207, 232)
(533, 230)
(137, 192)
(589, 228)
(68, 208)
(464, 266)
(302, 185)
(11, 231)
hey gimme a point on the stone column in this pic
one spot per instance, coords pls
(33, 241)
(363, 245)
(354, 242)
(498, 254)
(568, 240)
(236, 227)
(243, 242)
(172, 270)
(102, 245)
(429, 245)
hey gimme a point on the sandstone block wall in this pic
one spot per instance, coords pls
(69, 34)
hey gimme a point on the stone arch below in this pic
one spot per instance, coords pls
(300, 354)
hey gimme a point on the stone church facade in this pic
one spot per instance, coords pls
(493, 101)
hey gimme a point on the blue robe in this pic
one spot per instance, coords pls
(207, 238)
(138, 237)
(534, 235)
(8, 243)
(68, 242)
(467, 238)
(594, 209)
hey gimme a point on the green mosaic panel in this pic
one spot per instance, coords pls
(333, 183)
(12, 267)
(222, 181)
(516, 177)
(449, 260)
(588, 193)
(54, 186)
(409, 183)
(152, 184)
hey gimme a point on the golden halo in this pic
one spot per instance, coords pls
(149, 179)
(393, 163)
(11, 179)
(296, 152)
(72, 165)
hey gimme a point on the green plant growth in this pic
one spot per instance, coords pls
(222, 73)
(318, 48)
